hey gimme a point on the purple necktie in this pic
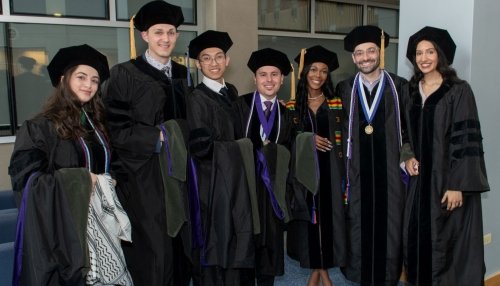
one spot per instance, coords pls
(267, 111)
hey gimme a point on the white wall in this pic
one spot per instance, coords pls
(474, 26)
(484, 80)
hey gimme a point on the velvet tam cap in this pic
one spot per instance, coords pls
(158, 12)
(364, 34)
(319, 54)
(209, 39)
(439, 36)
(72, 56)
(269, 57)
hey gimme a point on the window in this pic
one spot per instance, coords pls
(289, 15)
(27, 46)
(334, 17)
(386, 19)
(94, 9)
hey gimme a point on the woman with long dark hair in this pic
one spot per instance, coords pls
(70, 222)
(316, 234)
(443, 232)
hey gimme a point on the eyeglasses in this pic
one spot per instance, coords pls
(368, 52)
(218, 58)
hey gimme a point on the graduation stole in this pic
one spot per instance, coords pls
(358, 86)
(263, 171)
(102, 140)
(18, 246)
(261, 164)
(267, 124)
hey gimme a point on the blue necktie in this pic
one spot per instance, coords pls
(224, 91)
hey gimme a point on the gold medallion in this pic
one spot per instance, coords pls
(369, 129)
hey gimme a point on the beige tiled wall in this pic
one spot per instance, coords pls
(5, 152)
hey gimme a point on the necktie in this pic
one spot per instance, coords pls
(224, 91)
(267, 111)
(166, 71)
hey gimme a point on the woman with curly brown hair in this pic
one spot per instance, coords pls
(60, 173)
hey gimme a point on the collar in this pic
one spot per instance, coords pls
(156, 64)
(213, 85)
(370, 85)
(262, 99)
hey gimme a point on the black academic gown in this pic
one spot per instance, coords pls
(374, 214)
(269, 244)
(320, 245)
(446, 247)
(55, 221)
(138, 98)
(223, 191)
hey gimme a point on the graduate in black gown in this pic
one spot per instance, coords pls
(141, 96)
(443, 232)
(266, 122)
(223, 221)
(316, 234)
(57, 158)
(372, 101)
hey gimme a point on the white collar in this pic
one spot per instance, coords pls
(155, 63)
(212, 84)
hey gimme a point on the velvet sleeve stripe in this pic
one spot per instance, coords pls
(468, 152)
(470, 137)
(466, 124)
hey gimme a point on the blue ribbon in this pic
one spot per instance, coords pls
(194, 203)
(378, 97)
(188, 69)
(18, 247)
(167, 149)
(405, 177)
(263, 171)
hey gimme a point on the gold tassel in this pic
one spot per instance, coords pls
(292, 80)
(382, 51)
(133, 53)
(301, 62)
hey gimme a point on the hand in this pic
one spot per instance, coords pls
(411, 166)
(453, 199)
(322, 144)
(282, 102)
(113, 181)
(161, 137)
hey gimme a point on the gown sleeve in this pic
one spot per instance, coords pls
(31, 153)
(201, 136)
(467, 171)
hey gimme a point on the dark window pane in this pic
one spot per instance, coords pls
(384, 18)
(334, 17)
(5, 124)
(287, 15)
(126, 8)
(96, 9)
